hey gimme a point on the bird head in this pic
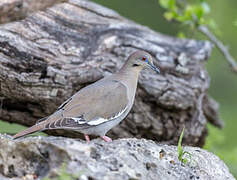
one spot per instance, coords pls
(142, 59)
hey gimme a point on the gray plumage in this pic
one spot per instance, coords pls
(97, 108)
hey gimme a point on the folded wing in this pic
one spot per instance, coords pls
(91, 106)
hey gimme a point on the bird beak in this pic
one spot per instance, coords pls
(154, 68)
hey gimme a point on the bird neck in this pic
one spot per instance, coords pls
(129, 74)
(129, 77)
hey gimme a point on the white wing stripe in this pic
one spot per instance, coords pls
(97, 121)
(102, 120)
(79, 120)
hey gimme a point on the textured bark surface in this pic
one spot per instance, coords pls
(11, 10)
(51, 54)
(123, 159)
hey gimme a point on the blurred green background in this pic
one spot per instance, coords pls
(223, 81)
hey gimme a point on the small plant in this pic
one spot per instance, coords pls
(190, 13)
(181, 152)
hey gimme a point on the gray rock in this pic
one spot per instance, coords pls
(124, 159)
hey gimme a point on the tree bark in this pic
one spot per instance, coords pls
(12, 10)
(51, 54)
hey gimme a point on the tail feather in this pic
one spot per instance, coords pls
(30, 130)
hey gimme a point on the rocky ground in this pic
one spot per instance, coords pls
(127, 159)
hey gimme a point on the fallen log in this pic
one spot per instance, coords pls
(51, 54)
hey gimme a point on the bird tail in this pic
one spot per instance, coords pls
(30, 130)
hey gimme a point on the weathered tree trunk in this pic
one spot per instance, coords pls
(11, 10)
(51, 54)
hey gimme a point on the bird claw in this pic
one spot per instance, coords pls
(106, 138)
(87, 138)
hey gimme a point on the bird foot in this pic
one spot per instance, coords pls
(106, 138)
(87, 138)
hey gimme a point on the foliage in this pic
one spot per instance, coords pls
(181, 152)
(192, 13)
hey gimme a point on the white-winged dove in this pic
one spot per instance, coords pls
(97, 108)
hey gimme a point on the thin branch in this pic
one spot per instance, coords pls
(224, 50)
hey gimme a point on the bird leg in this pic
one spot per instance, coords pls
(106, 138)
(87, 138)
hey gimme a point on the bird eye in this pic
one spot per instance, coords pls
(143, 58)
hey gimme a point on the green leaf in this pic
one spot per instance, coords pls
(168, 15)
(168, 4)
(198, 11)
(180, 149)
(183, 19)
(187, 15)
(184, 161)
(164, 3)
(181, 35)
(202, 21)
(172, 4)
